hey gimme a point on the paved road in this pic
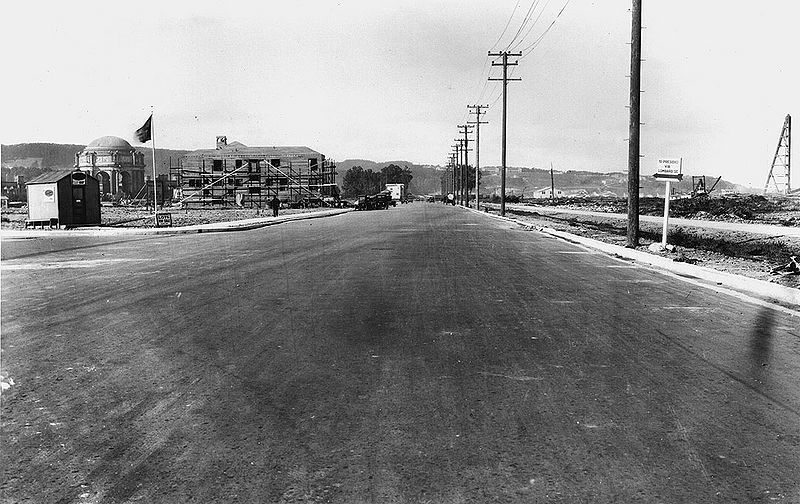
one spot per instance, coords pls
(765, 229)
(419, 354)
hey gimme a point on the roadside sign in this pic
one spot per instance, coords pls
(669, 169)
(163, 219)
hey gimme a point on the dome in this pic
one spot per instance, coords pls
(109, 142)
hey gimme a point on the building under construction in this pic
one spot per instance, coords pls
(235, 175)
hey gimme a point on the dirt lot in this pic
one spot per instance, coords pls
(751, 255)
(118, 216)
(754, 208)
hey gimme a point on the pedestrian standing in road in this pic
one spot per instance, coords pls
(275, 204)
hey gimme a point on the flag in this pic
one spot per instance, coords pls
(145, 133)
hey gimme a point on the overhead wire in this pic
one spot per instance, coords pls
(533, 25)
(527, 50)
(514, 40)
(486, 69)
(508, 23)
(525, 21)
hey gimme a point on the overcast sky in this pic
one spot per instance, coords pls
(391, 79)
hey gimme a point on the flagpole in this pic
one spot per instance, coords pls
(155, 187)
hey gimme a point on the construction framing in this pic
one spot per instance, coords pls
(234, 175)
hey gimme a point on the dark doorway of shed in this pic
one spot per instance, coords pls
(78, 205)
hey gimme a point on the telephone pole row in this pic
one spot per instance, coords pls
(476, 109)
(505, 79)
(465, 128)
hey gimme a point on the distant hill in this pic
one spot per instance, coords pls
(40, 155)
(34, 158)
(523, 181)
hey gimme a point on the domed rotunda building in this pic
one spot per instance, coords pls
(115, 164)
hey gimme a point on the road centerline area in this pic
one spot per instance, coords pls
(416, 354)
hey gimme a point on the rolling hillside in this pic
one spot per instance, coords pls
(31, 159)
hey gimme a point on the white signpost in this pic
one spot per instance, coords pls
(669, 169)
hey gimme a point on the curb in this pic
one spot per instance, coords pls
(216, 227)
(766, 290)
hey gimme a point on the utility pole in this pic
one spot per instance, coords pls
(552, 183)
(461, 153)
(449, 178)
(465, 174)
(633, 126)
(505, 64)
(453, 175)
(476, 109)
(456, 171)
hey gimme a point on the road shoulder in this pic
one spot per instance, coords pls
(769, 292)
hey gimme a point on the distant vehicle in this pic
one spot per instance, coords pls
(380, 201)
(397, 192)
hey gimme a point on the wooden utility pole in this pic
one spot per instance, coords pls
(456, 170)
(505, 64)
(633, 139)
(453, 175)
(552, 183)
(476, 109)
(461, 154)
(465, 128)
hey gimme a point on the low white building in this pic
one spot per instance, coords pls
(547, 193)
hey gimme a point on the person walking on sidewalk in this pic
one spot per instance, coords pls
(275, 204)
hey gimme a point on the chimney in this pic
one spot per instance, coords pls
(222, 142)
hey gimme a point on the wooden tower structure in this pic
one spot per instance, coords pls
(779, 179)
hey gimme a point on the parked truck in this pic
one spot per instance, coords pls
(398, 192)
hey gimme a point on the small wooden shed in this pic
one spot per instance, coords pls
(63, 198)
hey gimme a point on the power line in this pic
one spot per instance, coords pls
(507, 25)
(533, 25)
(524, 22)
(529, 49)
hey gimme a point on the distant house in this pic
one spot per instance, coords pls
(547, 193)
(14, 190)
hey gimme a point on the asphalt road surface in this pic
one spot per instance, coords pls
(421, 354)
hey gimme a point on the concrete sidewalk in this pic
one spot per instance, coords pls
(714, 279)
(214, 227)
